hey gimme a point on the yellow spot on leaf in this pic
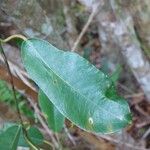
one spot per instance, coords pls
(110, 128)
(90, 120)
(45, 116)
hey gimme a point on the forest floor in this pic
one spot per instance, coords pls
(133, 137)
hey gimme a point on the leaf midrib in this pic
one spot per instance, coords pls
(72, 87)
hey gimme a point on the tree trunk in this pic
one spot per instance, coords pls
(117, 32)
(32, 20)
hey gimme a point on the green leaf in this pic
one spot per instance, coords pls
(54, 118)
(6, 126)
(116, 74)
(9, 137)
(35, 136)
(7, 96)
(18, 42)
(80, 91)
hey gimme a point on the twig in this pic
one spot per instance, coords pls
(50, 144)
(37, 111)
(69, 135)
(15, 98)
(17, 72)
(141, 111)
(134, 95)
(125, 88)
(57, 137)
(146, 134)
(12, 83)
(120, 142)
(91, 17)
(142, 124)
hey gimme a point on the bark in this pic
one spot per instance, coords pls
(70, 22)
(109, 50)
(140, 11)
(32, 20)
(117, 31)
(50, 6)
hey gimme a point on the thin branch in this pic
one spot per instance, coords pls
(108, 138)
(16, 101)
(146, 134)
(69, 135)
(125, 88)
(134, 95)
(12, 83)
(141, 111)
(91, 17)
(37, 111)
(143, 124)
(17, 72)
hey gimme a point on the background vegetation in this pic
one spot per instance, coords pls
(112, 35)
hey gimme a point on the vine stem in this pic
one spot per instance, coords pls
(11, 82)
(13, 87)
(15, 36)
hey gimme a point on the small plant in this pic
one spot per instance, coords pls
(72, 88)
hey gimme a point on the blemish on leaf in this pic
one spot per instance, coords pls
(90, 120)
(45, 116)
(90, 123)
(110, 128)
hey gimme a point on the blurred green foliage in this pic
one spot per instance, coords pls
(7, 97)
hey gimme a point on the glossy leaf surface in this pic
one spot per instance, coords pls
(53, 117)
(9, 137)
(80, 91)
